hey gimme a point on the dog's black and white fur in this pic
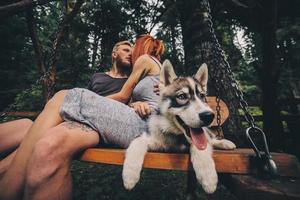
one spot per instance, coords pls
(180, 124)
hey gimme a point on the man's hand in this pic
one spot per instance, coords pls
(141, 108)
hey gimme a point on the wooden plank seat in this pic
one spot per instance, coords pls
(237, 166)
(238, 161)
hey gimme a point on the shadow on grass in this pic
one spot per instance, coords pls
(95, 181)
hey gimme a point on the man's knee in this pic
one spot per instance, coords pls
(47, 158)
(52, 145)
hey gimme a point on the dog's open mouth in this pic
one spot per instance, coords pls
(196, 134)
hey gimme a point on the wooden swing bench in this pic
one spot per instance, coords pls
(238, 167)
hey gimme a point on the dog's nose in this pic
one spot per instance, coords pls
(207, 117)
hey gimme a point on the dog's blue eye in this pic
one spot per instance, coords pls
(182, 96)
(182, 99)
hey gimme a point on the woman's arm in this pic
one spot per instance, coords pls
(141, 68)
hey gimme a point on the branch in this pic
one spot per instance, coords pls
(237, 7)
(240, 4)
(64, 25)
(14, 8)
(56, 44)
(249, 15)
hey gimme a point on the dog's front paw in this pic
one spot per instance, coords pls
(204, 167)
(130, 178)
(227, 144)
(209, 182)
(223, 144)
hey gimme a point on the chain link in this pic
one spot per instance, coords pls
(218, 109)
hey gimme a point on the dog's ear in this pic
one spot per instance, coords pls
(202, 76)
(167, 74)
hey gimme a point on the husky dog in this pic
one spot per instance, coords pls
(179, 125)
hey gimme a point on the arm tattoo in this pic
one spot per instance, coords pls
(73, 125)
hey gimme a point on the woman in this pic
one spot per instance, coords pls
(114, 121)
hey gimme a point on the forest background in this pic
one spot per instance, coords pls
(260, 39)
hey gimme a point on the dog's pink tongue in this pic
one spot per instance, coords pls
(198, 138)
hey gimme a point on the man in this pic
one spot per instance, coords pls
(48, 169)
(112, 81)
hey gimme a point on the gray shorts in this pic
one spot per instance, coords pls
(116, 123)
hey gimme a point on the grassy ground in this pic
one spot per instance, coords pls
(94, 181)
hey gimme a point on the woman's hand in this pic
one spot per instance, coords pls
(141, 108)
(156, 89)
(159, 86)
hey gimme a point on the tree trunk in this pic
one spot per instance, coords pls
(37, 49)
(199, 48)
(270, 75)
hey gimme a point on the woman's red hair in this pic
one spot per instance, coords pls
(146, 44)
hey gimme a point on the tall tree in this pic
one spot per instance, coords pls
(199, 47)
(261, 17)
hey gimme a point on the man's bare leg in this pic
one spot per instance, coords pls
(48, 173)
(12, 183)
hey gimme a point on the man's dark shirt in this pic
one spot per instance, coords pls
(104, 84)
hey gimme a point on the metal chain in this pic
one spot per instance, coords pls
(265, 161)
(218, 107)
(220, 56)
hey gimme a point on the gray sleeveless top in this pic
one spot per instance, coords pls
(143, 91)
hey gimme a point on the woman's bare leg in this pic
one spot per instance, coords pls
(12, 133)
(12, 183)
(5, 163)
(48, 172)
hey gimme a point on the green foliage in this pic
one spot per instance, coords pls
(254, 110)
(170, 32)
(289, 58)
(93, 32)
(29, 100)
(16, 58)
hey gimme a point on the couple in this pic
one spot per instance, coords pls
(76, 119)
